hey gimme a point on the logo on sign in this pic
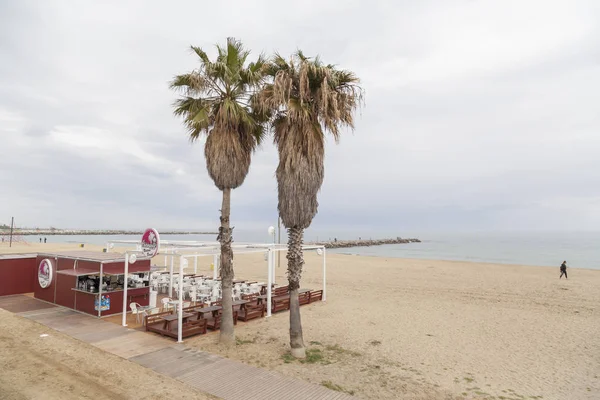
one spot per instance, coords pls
(150, 242)
(104, 304)
(45, 273)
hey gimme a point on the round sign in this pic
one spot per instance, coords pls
(150, 242)
(45, 273)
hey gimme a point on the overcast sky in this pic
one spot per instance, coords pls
(480, 115)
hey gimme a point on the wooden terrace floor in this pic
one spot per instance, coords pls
(221, 377)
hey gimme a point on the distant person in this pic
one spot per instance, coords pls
(44, 240)
(563, 270)
(40, 240)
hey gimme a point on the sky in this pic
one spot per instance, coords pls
(479, 115)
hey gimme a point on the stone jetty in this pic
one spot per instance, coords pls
(338, 244)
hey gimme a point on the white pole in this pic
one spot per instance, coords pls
(107, 247)
(324, 274)
(269, 281)
(180, 305)
(99, 290)
(171, 276)
(166, 251)
(216, 266)
(125, 289)
(195, 265)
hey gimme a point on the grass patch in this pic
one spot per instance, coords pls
(337, 388)
(468, 379)
(340, 350)
(288, 358)
(240, 342)
(315, 343)
(375, 342)
(313, 356)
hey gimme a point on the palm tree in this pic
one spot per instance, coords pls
(306, 99)
(215, 101)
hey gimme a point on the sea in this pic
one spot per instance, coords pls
(579, 249)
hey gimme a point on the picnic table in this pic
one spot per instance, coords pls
(211, 309)
(281, 296)
(214, 309)
(263, 287)
(173, 317)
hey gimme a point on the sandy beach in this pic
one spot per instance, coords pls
(419, 329)
(58, 367)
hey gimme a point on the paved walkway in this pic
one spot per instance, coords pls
(221, 377)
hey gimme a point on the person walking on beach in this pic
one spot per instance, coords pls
(563, 270)
(44, 240)
(40, 240)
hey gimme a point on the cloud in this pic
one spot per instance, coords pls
(479, 115)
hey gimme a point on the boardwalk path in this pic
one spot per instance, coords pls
(207, 372)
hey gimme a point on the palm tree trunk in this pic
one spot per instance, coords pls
(226, 331)
(295, 263)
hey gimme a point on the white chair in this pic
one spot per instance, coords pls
(135, 310)
(193, 293)
(165, 303)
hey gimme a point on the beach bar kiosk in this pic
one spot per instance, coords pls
(91, 282)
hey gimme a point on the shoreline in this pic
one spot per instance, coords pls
(463, 261)
(34, 247)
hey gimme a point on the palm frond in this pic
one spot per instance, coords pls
(217, 101)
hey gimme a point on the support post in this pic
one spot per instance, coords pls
(324, 274)
(269, 280)
(12, 224)
(125, 289)
(171, 277)
(180, 304)
(99, 290)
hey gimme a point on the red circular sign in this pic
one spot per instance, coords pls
(150, 242)
(45, 273)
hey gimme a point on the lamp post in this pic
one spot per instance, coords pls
(271, 232)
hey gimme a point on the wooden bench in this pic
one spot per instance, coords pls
(280, 291)
(251, 312)
(155, 320)
(252, 298)
(215, 322)
(304, 298)
(194, 327)
(193, 309)
(316, 295)
(279, 304)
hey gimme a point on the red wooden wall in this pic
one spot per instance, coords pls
(17, 275)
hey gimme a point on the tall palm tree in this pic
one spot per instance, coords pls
(306, 99)
(215, 101)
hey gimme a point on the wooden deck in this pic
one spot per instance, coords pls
(221, 377)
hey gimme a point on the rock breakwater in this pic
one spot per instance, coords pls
(338, 244)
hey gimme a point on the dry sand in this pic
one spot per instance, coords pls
(418, 329)
(62, 368)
